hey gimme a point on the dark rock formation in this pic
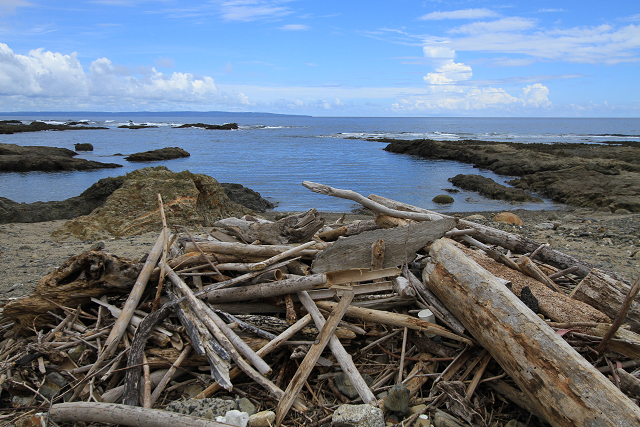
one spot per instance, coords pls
(246, 197)
(15, 158)
(83, 147)
(487, 187)
(167, 153)
(587, 175)
(189, 199)
(443, 199)
(226, 126)
(83, 204)
(136, 126)
(14, 126)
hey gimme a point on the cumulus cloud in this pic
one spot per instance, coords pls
(459, 14)
(450, 72)
(44, 76)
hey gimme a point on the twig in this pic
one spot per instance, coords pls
(622, 314)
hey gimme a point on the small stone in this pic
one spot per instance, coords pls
(203, 408)
(508, 218)
(357, 415)
(262, 419)
(245, 405)
(77, 351)
(52, 384)
(442, 419)
(236, 418)
(398, 399)
(621, 212)
(475, 217)
(415, 409)
(422, 421)
(443, 199)
(192, 390)
(344, 385)
(545, 226)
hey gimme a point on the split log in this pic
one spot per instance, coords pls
(560, 384)
(607, 294)
(555, 305)
(111, 413)
(401, 244)
(265, 290)
(395, 319)
(528, 267)
(81, 277)
(292, 229)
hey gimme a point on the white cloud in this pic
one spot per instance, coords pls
(459, 14)
(252, 10)
(505, 25)
(9, 6)
(536, 95)
(294, 27)
(450, 72)
(52, 78)
(438, 52)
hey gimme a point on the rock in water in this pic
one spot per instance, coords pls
(189, 199)
(443, 199)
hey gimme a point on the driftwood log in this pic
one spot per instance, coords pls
(292, 229)
(400, 244)
(562, 386)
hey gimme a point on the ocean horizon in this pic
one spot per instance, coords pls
(272, 154)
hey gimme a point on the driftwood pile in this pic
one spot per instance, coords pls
(283, 313)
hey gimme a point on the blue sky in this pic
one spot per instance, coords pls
(323, 58)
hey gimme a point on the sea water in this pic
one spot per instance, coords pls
(273, 154)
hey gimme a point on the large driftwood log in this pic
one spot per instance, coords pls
(561, 384)
(81, 277)
(243, 249)
(292, 229)
(400, 245)
(607, 294)
(516, 243)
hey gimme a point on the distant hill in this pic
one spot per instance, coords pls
(148, 114)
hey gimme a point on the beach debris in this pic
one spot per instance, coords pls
(408, 318)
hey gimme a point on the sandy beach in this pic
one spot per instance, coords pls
(27, 251)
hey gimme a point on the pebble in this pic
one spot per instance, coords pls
(234, 418)
(262, 419)
(398, 399)
(357, 416)
(344, 385)
(245, 405)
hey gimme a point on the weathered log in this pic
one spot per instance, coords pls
(401, 244)
(264, 290)
(368, 203)
(561, 384)
(528, 267)
(243, 249)
(89, 274)
(348, 230)
(292, 229)
(607, 294)
(111, 413)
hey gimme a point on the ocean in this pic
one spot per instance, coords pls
(274, 154)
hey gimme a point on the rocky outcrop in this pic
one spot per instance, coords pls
(166, 153)
(16, 158)
(15, 126)
(226, 126)
(83, 146)
(247, 197)
(90, 199)
(587, 175)
(487, 187)
(189, 199)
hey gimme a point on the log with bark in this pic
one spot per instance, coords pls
(561, 384)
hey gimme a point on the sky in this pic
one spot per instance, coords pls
(323, 58)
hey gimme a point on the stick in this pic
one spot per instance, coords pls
(343, 358)
(367, 203)
(165, 237)
(111, 413)
(622, 314)
(167, 377)
(301, 375)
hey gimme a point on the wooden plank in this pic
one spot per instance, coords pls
(400, 243)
